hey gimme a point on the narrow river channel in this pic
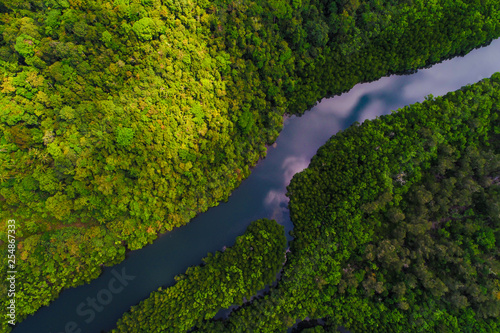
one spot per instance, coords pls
(262, 195)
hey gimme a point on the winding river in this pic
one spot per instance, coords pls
(261, 195)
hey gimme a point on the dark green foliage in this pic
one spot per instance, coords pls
(226, 278)
(396, 225)
(131, 117)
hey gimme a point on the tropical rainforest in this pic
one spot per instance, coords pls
(123, 119)
(396, 226)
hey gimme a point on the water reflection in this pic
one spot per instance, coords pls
(369, 100)
(262, 194)
(474, 67)
(276, 200)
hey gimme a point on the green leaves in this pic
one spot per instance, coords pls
(124, 136)
(25, 45)
(107, 38)
(140, 132)
(145, 28)
(246, 122)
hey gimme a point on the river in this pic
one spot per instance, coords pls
(262, 195)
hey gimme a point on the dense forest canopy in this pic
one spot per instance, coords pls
(123, 119)
(396, 225)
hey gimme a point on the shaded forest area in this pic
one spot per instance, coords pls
(123, 119)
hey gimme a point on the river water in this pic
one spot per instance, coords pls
(262, 195)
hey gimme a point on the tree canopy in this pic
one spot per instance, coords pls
(120, 120)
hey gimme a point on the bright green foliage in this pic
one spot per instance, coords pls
(124, 136)
(225, 279)
(25, 45)
(137, 115)
(145, 28)
(396, 225)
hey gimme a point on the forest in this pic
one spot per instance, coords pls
(124, 119)
(396, 226)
